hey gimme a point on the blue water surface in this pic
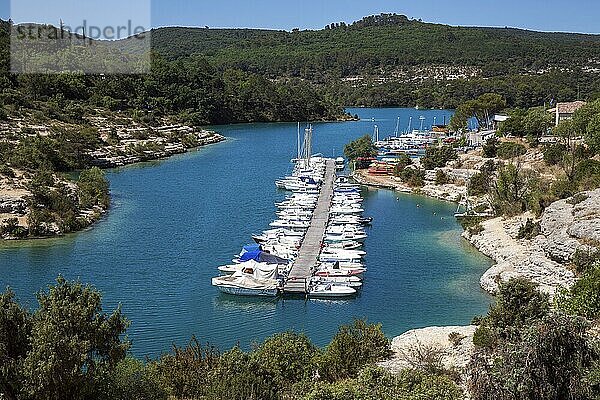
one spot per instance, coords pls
(173, 222)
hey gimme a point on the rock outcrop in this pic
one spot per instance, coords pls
(13, 205)
(566, 226)
(453, 345)
(569, 225)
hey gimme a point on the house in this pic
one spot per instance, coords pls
(565, 111)
(478, 139)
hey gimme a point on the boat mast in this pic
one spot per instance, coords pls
(299, 150)
(422, 118)
(397, 127)
(376, 134)
(409, 124)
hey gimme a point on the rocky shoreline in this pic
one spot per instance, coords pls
(565, 227)
(123, 145)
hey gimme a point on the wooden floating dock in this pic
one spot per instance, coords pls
(308, 256)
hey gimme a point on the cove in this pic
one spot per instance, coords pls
(173, 222)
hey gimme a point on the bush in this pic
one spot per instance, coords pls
(438, 157)
(288, 358)
(484, 337)
(403, 161)
(441, 178)
(94, 189)
(479, 184)
(529, 230)
(584, 297)
(132, 379)
(508, 150)
(514, 191)
(413, 177)
(352, 348)
(490, 148)
(378, 384)
(549, 359)
(455, 338)
(584, 260)
(554, 153)
(587, 175)
(518, 304)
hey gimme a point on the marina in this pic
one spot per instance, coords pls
(315, 246)
(173, 222)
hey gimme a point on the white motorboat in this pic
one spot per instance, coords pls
(346, 237)
(330, 290)
(258, 280)
(282, 223)
(344, 245)
(352, 281)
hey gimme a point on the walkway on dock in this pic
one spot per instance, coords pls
(310, 250)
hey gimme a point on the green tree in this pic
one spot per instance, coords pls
(73, 343)
(514, 190)
(362, 147)
(94, 188)
(548, 360)
(490, 148)
(508, 150)
(438, 157)
(15, 328)
(353, 347)
(583, 299)
(481, 108)
(288, 358)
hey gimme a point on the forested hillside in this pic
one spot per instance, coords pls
(189, 90)
(391, 60)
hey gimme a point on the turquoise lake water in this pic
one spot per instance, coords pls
(173, 222)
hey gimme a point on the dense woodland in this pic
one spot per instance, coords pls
(527, 68)
(189, 90)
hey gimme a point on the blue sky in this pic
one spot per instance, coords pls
(546, 15)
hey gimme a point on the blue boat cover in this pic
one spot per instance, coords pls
(252, 247)
(262, 257)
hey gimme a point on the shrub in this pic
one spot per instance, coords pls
(584, 260)
(438, 157)
(413, 177)
(554, 153)
(518, 304)
(475, 229)
(456, 338)
(584, 297)
(288, 358)
(376, 383)
(587, 175)
(132, 379)
(484, 337)
(549, 359)
(514, 191)
(508, 150)
(529, 230)
(479, 184)
(353, 347)
(94, 189)
(490, 148)
(441, 178)
(403, 161)
(7, 171)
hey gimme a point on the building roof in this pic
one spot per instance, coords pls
(570, 108)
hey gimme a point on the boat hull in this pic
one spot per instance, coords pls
(237, 291)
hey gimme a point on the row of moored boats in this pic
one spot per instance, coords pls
(262, 268)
